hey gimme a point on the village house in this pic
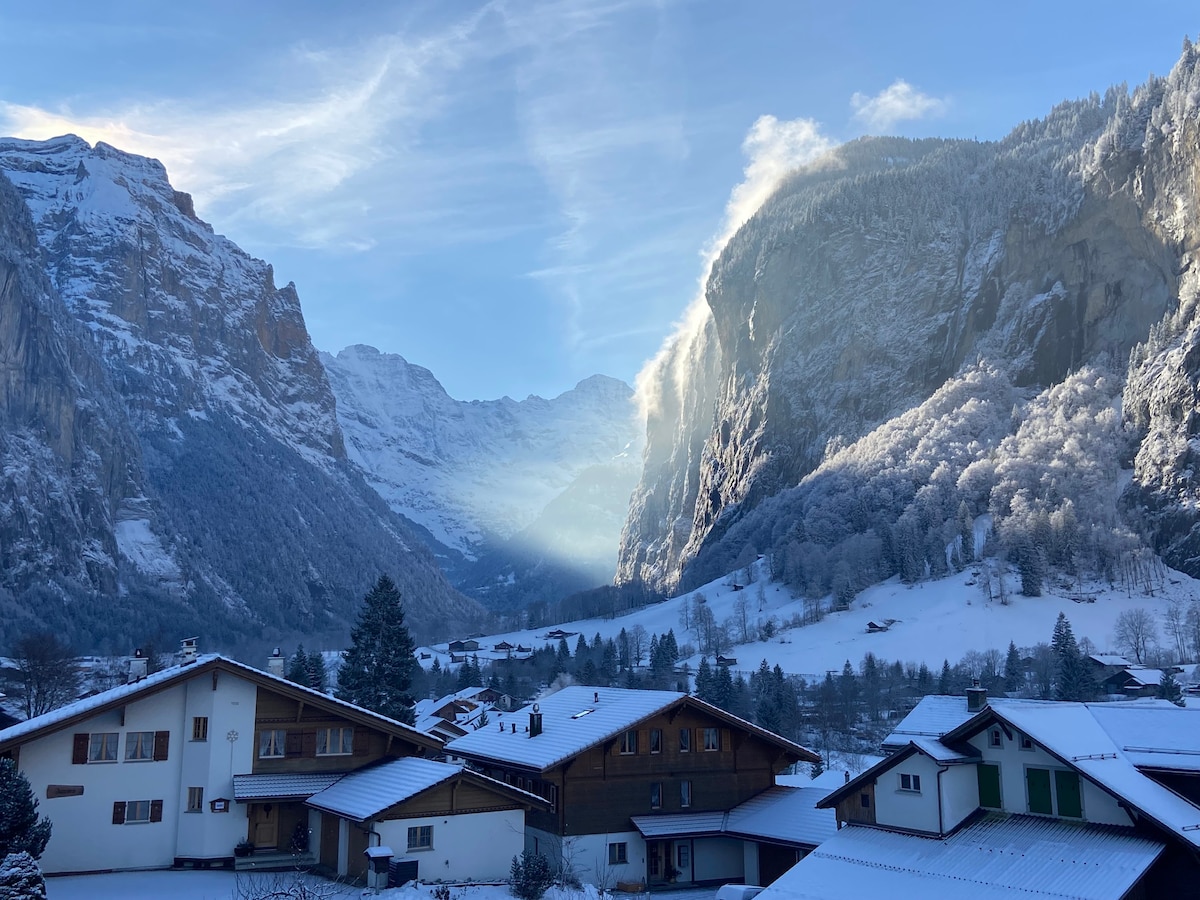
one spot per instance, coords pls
(641, 786)
(1017, 798)
(178, 767)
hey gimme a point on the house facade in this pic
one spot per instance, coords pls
(602, 758)
(1010, 797)
(179, 767)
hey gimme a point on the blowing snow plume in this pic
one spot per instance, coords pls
(773, 149)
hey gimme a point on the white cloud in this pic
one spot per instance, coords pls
(898, 102)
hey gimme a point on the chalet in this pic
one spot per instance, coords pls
(1010, 798)
(639, 783)
(470, 645)
(210, 753)
(726, 660)
(504, 647)
(559, 635)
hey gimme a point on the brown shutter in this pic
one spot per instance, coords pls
(79, 752)
(292, 744)
(162, 740)
(119, 812)
(362, 741)
(308, 743)
(155, 810)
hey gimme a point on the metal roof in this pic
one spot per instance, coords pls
(368, 792)
(679, 825)
(932, 717)
(999, 857)
(572, 721)
(281, 787)
(784, 814)
(1153, 733)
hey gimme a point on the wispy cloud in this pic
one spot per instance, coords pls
(898, 102)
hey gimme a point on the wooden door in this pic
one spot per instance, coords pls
(989, 785)
(264, 825)
(329, 841)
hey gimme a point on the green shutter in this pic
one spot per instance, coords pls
(1066, 789)
(989, 785)
(1037, 783)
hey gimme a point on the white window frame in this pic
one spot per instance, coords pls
(685, 794)
(656, 795)
(995, 738)
(1026, 743)
(629, 743)
(199, 728)
(132, 807)
(272, 743)
(139, 746)
(420, 837)
(103, 746)
(344, 741)
(685, 740)
(713, 745)
(618, 853)
(656, 740)
(910, 783)
(195, 801)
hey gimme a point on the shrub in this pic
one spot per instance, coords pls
(530, 876)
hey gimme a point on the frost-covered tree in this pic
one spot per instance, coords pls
(376, 670)
(21, 831)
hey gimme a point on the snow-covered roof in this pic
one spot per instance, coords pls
(1149, 733)
(282, 786)
(932, 717)
(679, 825)
(1109, 659)
(121, 694)
(939, 752)
(999, 857)
(1144, 676)
(365, 793)
(784, 814)
(577, 718)
(368, 792)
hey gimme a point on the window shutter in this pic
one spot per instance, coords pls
(308, 743)
(293, 744)
(362, 741)
(155, 810)
(119, 812)
(162, 740)
(79, 752)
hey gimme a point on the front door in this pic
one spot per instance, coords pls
(683, 861)
(264, 825)
(658, 855)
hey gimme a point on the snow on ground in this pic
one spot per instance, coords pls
(935, 620)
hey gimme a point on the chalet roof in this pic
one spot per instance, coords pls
(1145, 731)
(573, 720)
(1143, 676)
(936, 750)
(1109, 659)
(999, 857)
(782, 815)
(286, 786)
(366, 793)
(932, 717)
(68, 715)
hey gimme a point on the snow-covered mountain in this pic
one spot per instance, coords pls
(504, 490)
(1003, 284)
(209, 486)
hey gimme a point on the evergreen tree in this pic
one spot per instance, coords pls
(944, 679)
(1169, 689)
(20, 829)
(924, 680)
(1073, 677)
(704, 680)
(722, 688)
(297, 670)
(1013, 676)
(670, 648)
(318, 675)
(377, 668)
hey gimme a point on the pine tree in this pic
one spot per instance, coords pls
(297, 670)
(1168, 688)
(20, 829)
(723, 692)
(704, 680)
(377, 668)
(944, 679)
(318, 675)
(1012, 669)
(1073, 677)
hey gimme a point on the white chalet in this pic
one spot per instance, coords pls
(1017, 798)
(178, 767)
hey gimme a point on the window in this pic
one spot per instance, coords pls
(195, 799)
(683, 857)
(1026, 742)
(864, 800)
(629, 742)
(200, 728)
(685, 740)
(139, 745)
(994, 739)
(420, 837)
(712, 739)
(102, 747)
(656, 795)
(618, 854)
(335, 741)
(137, 812)
(656, 740)
(685, 794)
(910, 782)
(271, 743)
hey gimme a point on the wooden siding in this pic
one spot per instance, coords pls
(852, 810)
(457, 796)
(301, 721)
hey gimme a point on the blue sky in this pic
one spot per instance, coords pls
(521, 194)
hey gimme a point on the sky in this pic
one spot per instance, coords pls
(518, 194)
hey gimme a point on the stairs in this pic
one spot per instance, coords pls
(274, 861)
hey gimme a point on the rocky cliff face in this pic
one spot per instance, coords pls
(234, 501)
(506, 492)
(875, 275)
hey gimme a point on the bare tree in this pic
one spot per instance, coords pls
(637, 644)
(46, 672)
(1175, 625)
(741, 612)
(1135, 633)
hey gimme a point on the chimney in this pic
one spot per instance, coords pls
(535, 721)
(275, 663)
(595, 696)
(188, 650)
(137, 666)
(514, 728)
(976, 697)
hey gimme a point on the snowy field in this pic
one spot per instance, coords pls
(934, 620)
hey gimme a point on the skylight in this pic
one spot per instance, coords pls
(582, 713)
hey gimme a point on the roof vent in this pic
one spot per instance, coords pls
(976, 697)
(595, 696)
